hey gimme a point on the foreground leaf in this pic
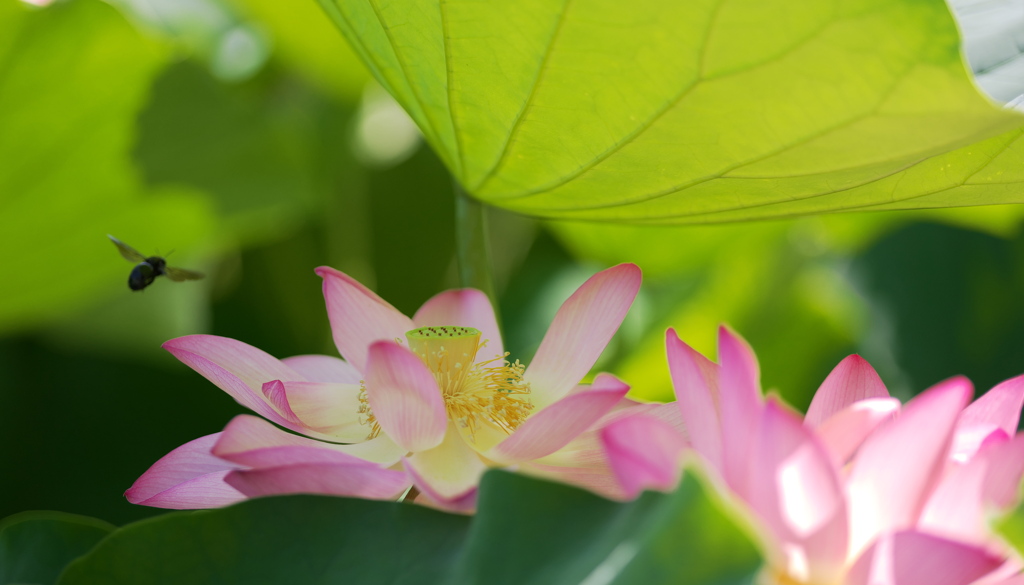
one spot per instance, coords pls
(526, 531)
(537, 533)
(301, 539)
(687, 112)
(36, 546)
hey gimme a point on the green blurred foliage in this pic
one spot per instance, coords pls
(948, 302)
(75, 75)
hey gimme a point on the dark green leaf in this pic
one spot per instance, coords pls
(526, 531)
(537, 533)
(36, 546)
(302, 539)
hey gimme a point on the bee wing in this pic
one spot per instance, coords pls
(180, 274)
(130, 254)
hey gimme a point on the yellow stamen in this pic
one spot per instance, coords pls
(366, 416)
(473, 392)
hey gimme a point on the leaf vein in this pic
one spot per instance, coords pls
(668, 106)
(517, 123)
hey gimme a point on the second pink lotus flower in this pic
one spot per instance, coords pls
(861, 491)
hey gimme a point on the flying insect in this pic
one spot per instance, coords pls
(147, 269)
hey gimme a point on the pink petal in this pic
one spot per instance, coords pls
(843, 432)
(186, 478)
(465, 504)
(291, 455)
(852, 380)
(324, 368)
(1005, 469)
(999, 408)
(331, 410)
(274, 392)
(797, 492)
(667, 413)
(358, 316)
(404, 397)
(580, 331)
(644, 453)
(695, 380)
(900, 463)
(235, 367)
(740, 403)
(552, 428)
(916, 558)
(597, 477)
(956, 508)
(449, 473)
(466, 307)
(248, 439)
(336, 479)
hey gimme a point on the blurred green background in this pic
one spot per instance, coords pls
(242, 138)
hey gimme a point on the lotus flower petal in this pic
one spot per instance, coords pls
(580, 331)
(956, 508)
(740, 404)
(235, 367)
(852, 380)
(997, 409)
(324, 368)
(553, 427)
(404, 397)
(332, 410)
(360, 480)
(466, 307)
(644, 453)
(358, 317)
(798, 493)
(916, 558)
(449, 473)
(695, 380)
(1005, 470)
(597, 477)
(843, 432)
(885, 495)
(246, 435)
(186, 478)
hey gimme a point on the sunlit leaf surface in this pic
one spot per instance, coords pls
(72, 78)
(526, 531)
(685, 112)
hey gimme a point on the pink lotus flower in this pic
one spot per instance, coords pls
(429, 401)
(862, 490)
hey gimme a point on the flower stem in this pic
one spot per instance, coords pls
(472, 248)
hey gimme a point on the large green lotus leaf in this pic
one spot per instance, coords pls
(525, 531)
(704, 111)
(36, 546)
(74, 77)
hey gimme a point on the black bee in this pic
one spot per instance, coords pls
(147, 269)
